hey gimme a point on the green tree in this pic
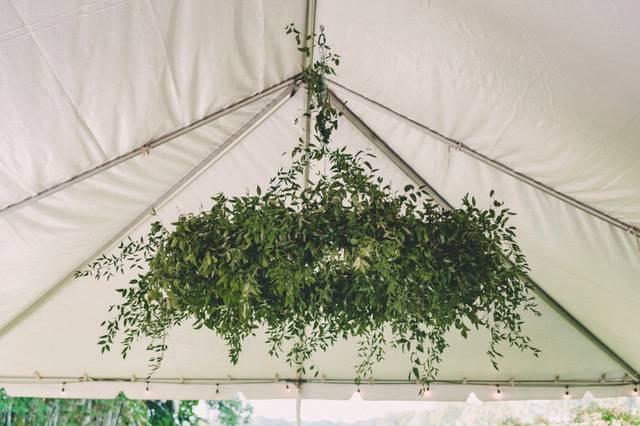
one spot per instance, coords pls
(605, 415)
(116, 412)
(233, 412)
(593, 415)
(52, 412)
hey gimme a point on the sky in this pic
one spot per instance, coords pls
(347, 411)
(357, 409)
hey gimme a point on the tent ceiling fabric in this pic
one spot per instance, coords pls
(549, 91)
(89, 213)
(89, 81)
(80, 306)
(545, 88)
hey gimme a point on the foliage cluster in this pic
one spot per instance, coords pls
(593, 415)
(338, 256)
(112, 412)
(49, 411)
(596, 416)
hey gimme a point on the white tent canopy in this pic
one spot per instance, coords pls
(112, 108)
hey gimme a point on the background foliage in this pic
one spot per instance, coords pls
(589, 416)
(113, 412)
(337, 256)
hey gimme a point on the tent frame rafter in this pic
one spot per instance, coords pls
(146, 147)
(386, 149)
(286, 94)
(460, 146)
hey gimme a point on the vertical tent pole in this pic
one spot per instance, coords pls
(299, 406)
(310, 26)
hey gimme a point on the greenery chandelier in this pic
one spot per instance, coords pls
(335, 255)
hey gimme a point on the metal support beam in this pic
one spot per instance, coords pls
(309, 29)
(493, 163)
(299, 404)
(414, 176)
(310, 26)
(193, 174)
(548, 382)
(147, 146)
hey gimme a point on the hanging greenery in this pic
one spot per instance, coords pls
(341, 255)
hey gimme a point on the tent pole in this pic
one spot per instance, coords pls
(493, 163)
(414, 176)
(309, 30)
(148, 146)
(299, 405)
(193, 174)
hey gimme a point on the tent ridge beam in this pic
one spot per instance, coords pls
(414, 176)
(193, 174)
(146, 147)
(631, 229)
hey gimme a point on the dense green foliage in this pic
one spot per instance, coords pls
(338, 256)
(48, 411)
(605, 415)
(233, 412)
(111, 412)
(170, 413)
(590, 416)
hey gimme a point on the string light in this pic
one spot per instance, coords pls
(635, 389)
(357, 395)
(217, 388)
(146, 389)
(288, 388)
(62, 390)
(426, 391)
(566, 395)
(498, 392)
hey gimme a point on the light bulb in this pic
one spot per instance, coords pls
(288, 388)
(498, 392)
(566, 395)
(146, 389)
(426, 392)
(62, 390)
(635, 389)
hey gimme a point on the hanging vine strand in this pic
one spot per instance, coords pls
(345, 256)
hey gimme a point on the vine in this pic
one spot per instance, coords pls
(341, 256)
